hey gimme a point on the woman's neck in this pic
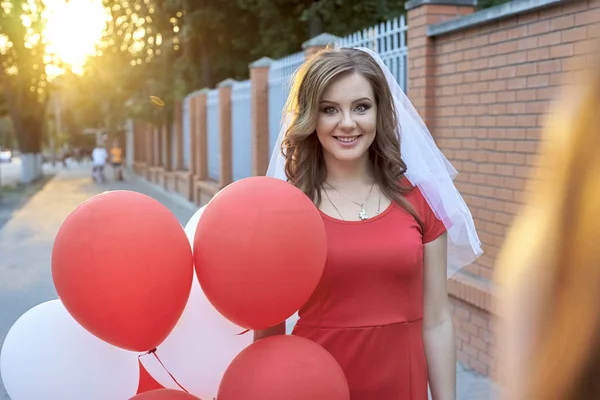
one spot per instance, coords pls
(348, 172)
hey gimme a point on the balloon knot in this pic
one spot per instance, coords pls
(151, 351)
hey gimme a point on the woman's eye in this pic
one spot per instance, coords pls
(329, 110)
(362, 108)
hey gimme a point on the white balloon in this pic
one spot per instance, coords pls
(290, 323)
(199, 349)
(201, 346)
(192, 224)
(48, 355)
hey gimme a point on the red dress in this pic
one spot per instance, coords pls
(367, 310)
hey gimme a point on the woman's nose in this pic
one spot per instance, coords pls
(347, 122)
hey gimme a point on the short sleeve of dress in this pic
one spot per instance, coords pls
(433, 227)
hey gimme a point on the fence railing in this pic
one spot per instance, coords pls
(280, 76)
(213, 139)
(241, 134)
(388, 39)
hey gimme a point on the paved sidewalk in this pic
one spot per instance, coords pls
(26, 245)
(471, 386)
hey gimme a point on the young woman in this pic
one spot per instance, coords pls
(381, 308)
(548, 274)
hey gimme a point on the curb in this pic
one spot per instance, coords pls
(172, 196)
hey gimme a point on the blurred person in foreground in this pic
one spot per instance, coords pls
(548, 273)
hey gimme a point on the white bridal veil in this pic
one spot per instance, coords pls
(427, 168)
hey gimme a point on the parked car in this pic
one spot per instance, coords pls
(6, 156)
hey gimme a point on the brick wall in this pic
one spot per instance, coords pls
(474, 337)
(483, 87)
(493, 85)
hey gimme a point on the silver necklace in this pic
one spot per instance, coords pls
(362, 215)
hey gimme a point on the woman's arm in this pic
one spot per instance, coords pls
(276, 330)
(438, 331)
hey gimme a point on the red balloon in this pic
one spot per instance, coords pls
(284, 367)
(259, 251)
(146, 382)
(123, 268)
(164, 394)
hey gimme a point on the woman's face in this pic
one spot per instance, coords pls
(347, 120)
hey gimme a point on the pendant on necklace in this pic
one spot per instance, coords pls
(363, 213)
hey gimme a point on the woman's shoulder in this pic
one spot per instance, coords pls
(411, 193)
(432, 224)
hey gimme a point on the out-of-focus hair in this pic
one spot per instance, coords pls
(560, 224)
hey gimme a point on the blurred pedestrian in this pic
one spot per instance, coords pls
(99, 160)
(116, 155)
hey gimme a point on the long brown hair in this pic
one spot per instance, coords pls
(559, 223)
(305, 165)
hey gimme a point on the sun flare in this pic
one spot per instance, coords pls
(73, 29)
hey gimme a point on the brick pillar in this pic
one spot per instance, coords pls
(157, 147)
(150, 141)
(421, 49)
(225, 131)
(178, 132)
(137, 142)
(165, 136)
(201, 134)
(149, 150)
(318, 43)
(259, 77)
(143, 133)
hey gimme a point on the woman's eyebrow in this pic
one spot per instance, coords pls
(355, 101)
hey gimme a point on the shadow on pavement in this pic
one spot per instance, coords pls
(13, 199)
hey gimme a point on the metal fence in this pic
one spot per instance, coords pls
(280, 76)
(241, 122)
(213, 139)
(388, 39)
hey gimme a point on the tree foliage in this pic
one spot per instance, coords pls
(490, 3)
(285, 24)
(22, 69)
(7, 133)
(169, 48)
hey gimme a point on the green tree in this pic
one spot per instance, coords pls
(22, 69)
(284, 25)
(168, 48)
(481, 4)
(3, 105)
(7, 133)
